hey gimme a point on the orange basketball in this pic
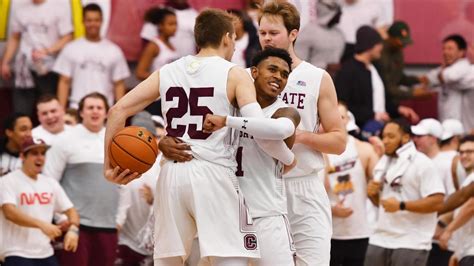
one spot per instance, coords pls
(133, 148)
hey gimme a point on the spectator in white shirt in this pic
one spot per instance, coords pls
(39, 30)
(410, 191)
(51, 117)
(28, 200)
(91, 64)
(462, 227)
(451, 78)
(17, 128)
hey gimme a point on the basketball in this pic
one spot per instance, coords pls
(133, 148)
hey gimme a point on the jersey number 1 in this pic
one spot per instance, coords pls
(182, 109)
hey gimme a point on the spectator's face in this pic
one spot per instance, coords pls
(466, 152)
(238, 26)
(343, 111)
(451, 52)
(393, 138)
(93, 114)
(270, 77)
(92, 23)
(272, 33)
(376, 51)
(21, 131)
(168, 26)
(424, 142)
(51, 116)
(33, 160)
(70, 120)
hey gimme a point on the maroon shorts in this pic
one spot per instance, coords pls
(97, 247)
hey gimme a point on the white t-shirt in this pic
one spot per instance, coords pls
(133, 210)
(457, 78)
(464, 236)
(40, 25)
(40, 132)
(378, 90)
(37, 198)
(183, 40)
(415, 178)
(93, 66)
(443, 161)
(360, 13)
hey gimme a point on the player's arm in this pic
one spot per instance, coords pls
(465, 214)
(334, 138)
(133, 102)
(293, 115)
(458, 198)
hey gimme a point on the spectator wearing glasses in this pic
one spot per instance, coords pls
(410, 191)
(461, 229)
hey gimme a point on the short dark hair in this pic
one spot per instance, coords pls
(211, 26)
(458, 39)
(157, 15)
(91, 7)
(46, 98)
(96, 95)
(402, 124)
(10, 121)
(467, 138)
(269, 52)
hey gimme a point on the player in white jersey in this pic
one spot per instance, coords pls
(192, 195)
(311, 91)
(260, 175)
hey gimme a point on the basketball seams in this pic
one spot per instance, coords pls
(142, 140)
(131, 155)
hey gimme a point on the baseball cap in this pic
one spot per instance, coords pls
(428, 126)
(143, 119)
(451, 128)
(31, 143)
(400, 29)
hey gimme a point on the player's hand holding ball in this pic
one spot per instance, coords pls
(132, 152)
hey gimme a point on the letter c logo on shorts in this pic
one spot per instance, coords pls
(250, 241)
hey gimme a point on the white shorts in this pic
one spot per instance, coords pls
(309, 214)
(199, 198)
(276, 242)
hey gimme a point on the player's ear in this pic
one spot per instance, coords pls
(293, 35)
(254, 72)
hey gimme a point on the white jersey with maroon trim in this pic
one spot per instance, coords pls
(190, 88)
(302, 92)
(260, 176)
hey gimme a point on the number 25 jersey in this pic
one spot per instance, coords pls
(190, 88)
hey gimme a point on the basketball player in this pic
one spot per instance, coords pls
(311, 91)
(260, 175)
(192, 195)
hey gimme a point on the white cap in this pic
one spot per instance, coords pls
(451, 128)
(428, 126)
